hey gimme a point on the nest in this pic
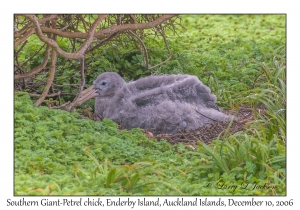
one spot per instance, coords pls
(211, 132)
(206, 134)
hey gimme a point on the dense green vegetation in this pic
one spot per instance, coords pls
(240, 57)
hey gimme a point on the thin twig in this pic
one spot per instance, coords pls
(166, 43)
(133, 19)
(38, 68)
(161, 62)
(165, 40)
(63, 106)
(143, 49)
(47, 96)
(65, 27)
(23, 38)
(107, 31)
(50, 79)
(102, 43)
(64, 85)
(23, 45)
(204, 115)
(52, 70)
(33, 55)
(82, 83)
(80, 53)
(29, 25)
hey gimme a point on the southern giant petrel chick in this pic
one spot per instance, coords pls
(160, 104)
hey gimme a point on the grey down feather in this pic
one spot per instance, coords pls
(160, 104)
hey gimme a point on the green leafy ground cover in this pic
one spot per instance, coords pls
(240, 57)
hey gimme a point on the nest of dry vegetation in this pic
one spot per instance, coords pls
(206, 134)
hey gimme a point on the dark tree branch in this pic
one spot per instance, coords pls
(68, 25)
(109, 31)
(80, 53)
(25, 37)
(19, 50)
(50, 79)
(82, 83)
(18, 34)
(133, 19)
(52, 71)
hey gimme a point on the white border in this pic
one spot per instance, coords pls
(8, 8)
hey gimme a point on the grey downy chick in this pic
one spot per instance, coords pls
(160, 104)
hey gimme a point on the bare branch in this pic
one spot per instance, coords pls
(83, 22)
(82, 83)
(85, 96)
(19, 50)
(152, 67)
(166, 43)
(84, 47)
(33, 55)
(109, 31)
(67, 26)
(18, 34)
(143, 49)
(91, 33)
(47, 96)
(23, 38)
(66, 85)
(79, 54)
(37, 69)
(52, 71)
(102, 43)
(79, 32)
(50, 79)
(133, 18)
(165, 40)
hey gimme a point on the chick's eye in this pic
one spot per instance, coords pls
(103, 83)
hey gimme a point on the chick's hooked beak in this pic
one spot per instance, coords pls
(88, 94)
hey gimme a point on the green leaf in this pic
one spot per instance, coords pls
(111, 177)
